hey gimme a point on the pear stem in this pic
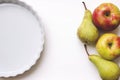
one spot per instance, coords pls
(85, 46)
(84, 5)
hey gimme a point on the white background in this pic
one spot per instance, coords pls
(64, 57)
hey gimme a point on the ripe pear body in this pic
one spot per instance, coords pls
(108, 70)
(87, 32)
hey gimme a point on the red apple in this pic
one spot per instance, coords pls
(106, 16)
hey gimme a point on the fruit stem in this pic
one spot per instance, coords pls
(85, 46)
(84, 5)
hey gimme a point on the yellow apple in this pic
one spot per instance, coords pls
(108, 46)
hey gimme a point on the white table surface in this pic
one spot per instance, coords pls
(64, 57)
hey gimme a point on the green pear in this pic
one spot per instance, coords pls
(108, 70)
(87, 31)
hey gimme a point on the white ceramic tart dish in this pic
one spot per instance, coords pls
(21, 38)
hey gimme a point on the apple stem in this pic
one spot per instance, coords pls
(85, 46)
(84, 5)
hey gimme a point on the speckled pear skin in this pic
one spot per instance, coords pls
(87, 31)
(108, 70)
